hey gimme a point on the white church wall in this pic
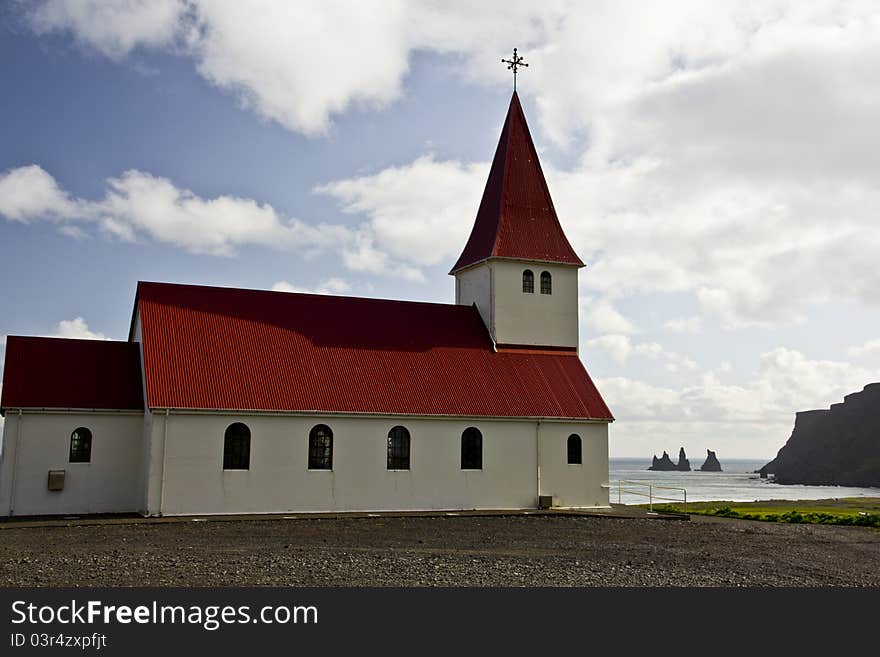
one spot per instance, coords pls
(279, 480)
(41, 442)
(146, 476)
(154, 457)
(575, 485)
(520, 318)
(535, 319)
(136, 325)
(474, 286)
(7, 460)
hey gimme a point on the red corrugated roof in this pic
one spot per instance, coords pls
(66, 373)
(226, 348)
(516, 218)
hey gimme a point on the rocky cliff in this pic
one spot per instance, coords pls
(837, 446)
(711, 464)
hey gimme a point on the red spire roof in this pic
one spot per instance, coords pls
(516, 218)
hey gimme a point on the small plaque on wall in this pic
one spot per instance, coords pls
(56, 479)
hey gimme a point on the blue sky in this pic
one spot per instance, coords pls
(715, 167)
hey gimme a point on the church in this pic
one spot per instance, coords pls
(237, 401)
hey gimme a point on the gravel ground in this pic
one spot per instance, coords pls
(442, 551)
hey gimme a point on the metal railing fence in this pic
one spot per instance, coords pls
(648, 490)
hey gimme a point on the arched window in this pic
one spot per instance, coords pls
(81, 446)
(237, 447)
(398, 448)
(574, 449)
(471, 449)
(546, 283)
(528, 281)
(321, 448)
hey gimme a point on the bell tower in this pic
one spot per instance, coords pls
(517, 266)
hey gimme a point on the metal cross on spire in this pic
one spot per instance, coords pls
(513, 64)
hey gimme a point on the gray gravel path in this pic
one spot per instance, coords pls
(442, 551)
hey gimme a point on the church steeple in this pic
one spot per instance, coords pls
(516, 218)
(517, 266)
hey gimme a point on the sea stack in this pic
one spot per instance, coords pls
(662, 464)
(683, 464)
(711, 464)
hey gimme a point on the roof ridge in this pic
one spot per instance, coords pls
(505, 135)
(303, 294)
(60, 337)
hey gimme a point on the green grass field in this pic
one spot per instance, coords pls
(858, 511)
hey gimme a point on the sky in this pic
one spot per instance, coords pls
(715, 165)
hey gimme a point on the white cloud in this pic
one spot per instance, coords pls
(114, 27)
(601, 316)
(693, 324)
(867, 351)
(421, 212)
(592, 66)
(77, 328)
(138, 202)
(330, 286)
(29, 192)
(361, 254)
(786, 381)
(713, 168)
(138, 205)
(632, 400)
(753, 418)
(621, 347)
(283, 62)
(750, 255)
(302, 63)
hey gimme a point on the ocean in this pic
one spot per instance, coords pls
(737, 483)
